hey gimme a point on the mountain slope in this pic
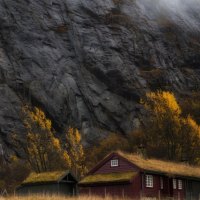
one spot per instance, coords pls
(87, 63)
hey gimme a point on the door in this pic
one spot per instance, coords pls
(171, 189)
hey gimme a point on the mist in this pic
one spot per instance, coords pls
(182, 12)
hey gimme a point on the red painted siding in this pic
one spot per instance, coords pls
(112, 190)
(156, 191)
(122, 190)
(167, 190)
(137, 188)
(177, 193)
(124, 166)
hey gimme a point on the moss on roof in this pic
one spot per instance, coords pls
(165, 167)
(44, 177)
(108, 178)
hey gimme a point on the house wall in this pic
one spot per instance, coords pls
(135, 189)
(124, 166)
(155, 191)
(128, 190)
(35, 189)
(192, 190)
(131, 190)
(46, 189)
(68, 189)
(167, 190)
(120, 191)
(177, 193)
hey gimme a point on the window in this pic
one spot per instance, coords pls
(114, 163)
(180, 184)
(149, 181)
(174, 183)
(161, 183)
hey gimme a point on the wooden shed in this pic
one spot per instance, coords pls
(128, 175)
(59, 182)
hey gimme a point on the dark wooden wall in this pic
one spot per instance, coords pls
(192, 190)
(62, 188)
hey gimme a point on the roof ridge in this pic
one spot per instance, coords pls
(162, 166)
(156, 159)
(51, 176)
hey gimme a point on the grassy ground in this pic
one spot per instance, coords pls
(44, 197)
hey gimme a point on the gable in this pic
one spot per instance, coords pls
(123, 166)
(68, 178)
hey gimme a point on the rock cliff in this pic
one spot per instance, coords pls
(88, 62)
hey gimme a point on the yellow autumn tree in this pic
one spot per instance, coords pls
(43, 149)
(76, 152)
(168, 134)
(12, 172)
(112, 142)
(163, 127)
(190, 140)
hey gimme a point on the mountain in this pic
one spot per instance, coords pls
(88, 62)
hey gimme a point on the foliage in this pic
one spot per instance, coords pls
(168, 134)
(190, 105)
(12, 173)
(76, 152)
(111, 143)
(136, 140)
(190, 140)
(44, 151)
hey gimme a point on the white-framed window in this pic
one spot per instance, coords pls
(161, 183)
(180, 184)
(114, 163)
(149, 181)
(174, 183)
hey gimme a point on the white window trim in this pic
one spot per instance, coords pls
(174, 182)
(114, 163)
(149, 181)
(180, 184)
(161, 183)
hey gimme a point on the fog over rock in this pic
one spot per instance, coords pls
(182, 12)
(88, 62)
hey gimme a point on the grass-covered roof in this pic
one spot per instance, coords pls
(44, 177)
(108, 178)
(164, 167)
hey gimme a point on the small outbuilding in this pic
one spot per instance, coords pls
(59, 182)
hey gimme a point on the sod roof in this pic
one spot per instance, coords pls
(163, 167)
(46, 177)
(108, 178)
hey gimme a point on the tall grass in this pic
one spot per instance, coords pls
(54, 197)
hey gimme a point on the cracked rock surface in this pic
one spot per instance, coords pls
(88, 62)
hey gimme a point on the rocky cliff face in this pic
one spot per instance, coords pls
(88, 62)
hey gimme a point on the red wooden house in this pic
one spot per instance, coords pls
(128, 175)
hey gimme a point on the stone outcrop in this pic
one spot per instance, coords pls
(88, 62)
